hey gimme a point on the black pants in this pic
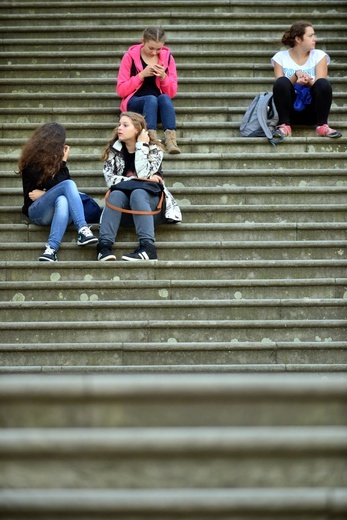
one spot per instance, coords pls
(316, 113)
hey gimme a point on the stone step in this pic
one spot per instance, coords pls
(208, 368)
(118, 458)
(183, 270)
(282, 157)
(185, 70)
(246, 177)
(200, 85)
(57, 56)
(224, 368)
(204, 145)
(19, 132)
(294, 176)
(161, 330)
(170, 19)
(229, 214)
(173, 357)
(173, 504)
(197, 248)
(228, 31)
(168, 290)
(106, 99)
(216, 232)
(142, 400)
(105, 42)
(173, 6)
(229, 194)
(42, 311)
(188, 117)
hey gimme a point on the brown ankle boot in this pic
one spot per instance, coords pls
(170, 142)
(153, 135)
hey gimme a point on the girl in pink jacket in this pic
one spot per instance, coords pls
(147, 82)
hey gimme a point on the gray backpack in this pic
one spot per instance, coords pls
(261, 118)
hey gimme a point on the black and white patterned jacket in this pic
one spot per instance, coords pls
(148, 161)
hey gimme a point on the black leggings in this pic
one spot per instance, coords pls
(316, 113)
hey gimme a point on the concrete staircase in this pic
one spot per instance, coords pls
(212, 385)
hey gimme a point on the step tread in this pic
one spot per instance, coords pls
(248, 368)
(178, 501)
(211, 440)
(142, 386)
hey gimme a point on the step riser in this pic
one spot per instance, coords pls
(239, 145)
(226, 130)
(185, 71)
(244, 270)
(233, 311)
(181, 504)
(111, 58)
(122, 25)
(199, 85)
(175, 179)
(222, 7)
(117, 471)
(186, 115)
(105, 401)
(165, 331)
(191, 45)
(25, 234)
(210, 252)
(100, 101)
(229, 196)
(168, 290)
(214, 161)
(210, 216)
(89, 356)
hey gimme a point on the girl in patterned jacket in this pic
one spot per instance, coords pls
(130, 154)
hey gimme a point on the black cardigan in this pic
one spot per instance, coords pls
(30, 180)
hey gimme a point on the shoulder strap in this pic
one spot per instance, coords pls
(133, 211)
(262, 113)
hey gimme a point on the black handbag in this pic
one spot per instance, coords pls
(153, 187)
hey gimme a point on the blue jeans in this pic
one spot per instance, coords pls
(154, 109)
(58, 207)
(139, 200)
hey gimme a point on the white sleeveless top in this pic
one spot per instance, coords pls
(289, 66)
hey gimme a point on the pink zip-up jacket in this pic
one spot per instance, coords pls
(127, 85)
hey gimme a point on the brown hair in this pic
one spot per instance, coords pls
(139, 123)
(44, 151)
(156, 34)
(298, 29)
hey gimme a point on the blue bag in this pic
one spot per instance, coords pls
(92, 210)
(303, 97)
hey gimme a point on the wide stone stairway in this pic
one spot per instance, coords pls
(211, 385)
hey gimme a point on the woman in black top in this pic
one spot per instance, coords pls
(50, 196)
